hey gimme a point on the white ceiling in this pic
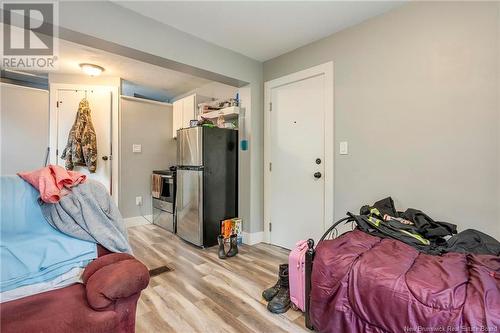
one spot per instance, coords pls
(260, 29)
(171, 82)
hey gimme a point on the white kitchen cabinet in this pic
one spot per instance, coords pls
(177, 116)
(188, 110)
(185, 110)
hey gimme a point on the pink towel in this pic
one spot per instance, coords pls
(52, 181)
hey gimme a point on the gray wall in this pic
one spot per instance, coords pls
(24, 128)
(416, 97)
(132, 30)
(148, 124)
(498, 108)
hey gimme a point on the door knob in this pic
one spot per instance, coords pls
(318, 161)
(317, 175)
(105, 158)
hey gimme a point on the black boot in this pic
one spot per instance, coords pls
(269, 293)
(281, 302)
(221, 251)
(233, 249)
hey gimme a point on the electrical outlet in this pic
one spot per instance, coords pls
(138, 201)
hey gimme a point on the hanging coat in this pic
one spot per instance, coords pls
(81, 149)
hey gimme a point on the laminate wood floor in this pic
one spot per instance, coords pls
(205, 294)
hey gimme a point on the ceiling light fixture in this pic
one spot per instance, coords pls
(91, 69)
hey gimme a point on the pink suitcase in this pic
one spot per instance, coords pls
(297, 274)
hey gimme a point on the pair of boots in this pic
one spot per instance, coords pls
(233, 247)
(278, 295)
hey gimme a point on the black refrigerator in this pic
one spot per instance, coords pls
(207, 182)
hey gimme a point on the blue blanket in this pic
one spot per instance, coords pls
(31, 251)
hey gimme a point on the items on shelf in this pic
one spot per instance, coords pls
(218, 112)
(220, 121)
(231, 125)
(221, 113)
(229, 112)
(223, 118)
(218, 104)
(205, 122)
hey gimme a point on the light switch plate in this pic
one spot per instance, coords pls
(344, 148)
(136, 148)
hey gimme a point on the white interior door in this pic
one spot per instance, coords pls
(297, 151)
(100, 106)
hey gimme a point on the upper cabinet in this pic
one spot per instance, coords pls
(184, 111)
(178, 107)
(188, 110)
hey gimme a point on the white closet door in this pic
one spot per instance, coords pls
(100, 106)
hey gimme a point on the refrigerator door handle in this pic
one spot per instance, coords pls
(179, 147)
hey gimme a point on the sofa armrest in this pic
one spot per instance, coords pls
(113, 276)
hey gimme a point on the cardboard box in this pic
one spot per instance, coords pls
(230, 227)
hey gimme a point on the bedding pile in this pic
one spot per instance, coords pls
(364, 283)
(404, 272)
(419, 230)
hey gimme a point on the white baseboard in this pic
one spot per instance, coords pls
(137, 220)
(252, 238)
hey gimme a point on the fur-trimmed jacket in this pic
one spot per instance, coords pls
(81, 149)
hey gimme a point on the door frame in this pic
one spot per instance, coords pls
(323, 69)
(115, 121)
